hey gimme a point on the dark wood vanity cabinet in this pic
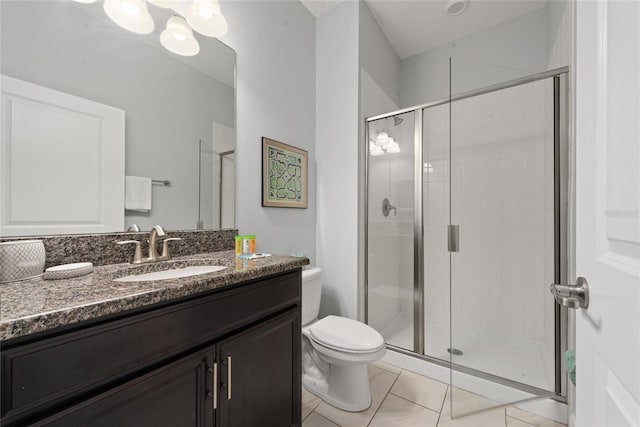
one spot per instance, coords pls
(228, 358)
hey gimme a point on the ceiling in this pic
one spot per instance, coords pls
(415, 26)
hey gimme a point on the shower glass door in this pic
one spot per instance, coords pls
(502, 188)
(391, 278)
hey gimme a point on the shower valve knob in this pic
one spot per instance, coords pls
(387, 207)
(572, 296)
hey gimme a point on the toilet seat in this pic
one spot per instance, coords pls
(346, 335)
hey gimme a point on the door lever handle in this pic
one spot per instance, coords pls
(572, 296)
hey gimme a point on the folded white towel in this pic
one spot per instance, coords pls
(137, 190)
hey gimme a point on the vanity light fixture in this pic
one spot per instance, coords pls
(203, 16)
(394, 148)
(178, 37)
(131, 15)
(383, 142)
(374, 149)
(382, 139)
(165, 4)
(390, 143)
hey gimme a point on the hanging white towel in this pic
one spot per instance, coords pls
(137, 190)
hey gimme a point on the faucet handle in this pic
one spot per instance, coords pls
(137, 255)
(165, 246)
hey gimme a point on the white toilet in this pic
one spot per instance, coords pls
(336, 351)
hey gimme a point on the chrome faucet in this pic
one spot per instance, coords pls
(156, 231)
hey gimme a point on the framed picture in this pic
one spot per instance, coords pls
(284, 175)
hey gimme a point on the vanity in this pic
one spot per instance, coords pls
(216, 349)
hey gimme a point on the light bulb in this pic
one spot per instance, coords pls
(165, 4)
(382, 139)
(205, 17)
(395, 148)
(376, 150)
(130, 7)
(131, 15)
(206, 11)
(178, 38)
(390, 143)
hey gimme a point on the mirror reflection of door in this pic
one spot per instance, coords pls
(216, 203)
(170, 101)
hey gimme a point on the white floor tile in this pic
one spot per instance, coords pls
(514, 422)
(396, 411)
(380, 382)
(309, 402)
(531, 419)
(466, 402)
(414, 400)
(421, 390)
(315, 420)
(387, 367)
(470, 402)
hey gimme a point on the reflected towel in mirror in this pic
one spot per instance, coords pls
(137, 191)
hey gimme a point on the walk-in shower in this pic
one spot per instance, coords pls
(465, 230)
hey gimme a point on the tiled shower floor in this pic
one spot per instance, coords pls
(405, 399)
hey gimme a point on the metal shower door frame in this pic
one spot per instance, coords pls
(561, 198)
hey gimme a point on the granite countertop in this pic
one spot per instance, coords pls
(36, 305)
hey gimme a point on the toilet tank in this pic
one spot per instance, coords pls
(311, 293)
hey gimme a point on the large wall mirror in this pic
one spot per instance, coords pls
(178, 113)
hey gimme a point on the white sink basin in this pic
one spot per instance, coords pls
(172, 274)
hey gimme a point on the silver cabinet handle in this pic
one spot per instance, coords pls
(229, 377)
(572, 296)
(214, 385)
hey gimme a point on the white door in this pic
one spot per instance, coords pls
(607, 206)
(61, 162)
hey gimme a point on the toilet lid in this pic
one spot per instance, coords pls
(348, 334)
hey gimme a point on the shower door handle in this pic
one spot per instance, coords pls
(572, 296)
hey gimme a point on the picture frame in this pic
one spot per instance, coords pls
(284, 175)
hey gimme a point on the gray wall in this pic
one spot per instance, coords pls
(275, 45)
(168, 105)
(507, 51)
(377, 56)
(337, 137)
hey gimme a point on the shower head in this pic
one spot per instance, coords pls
(397, 120)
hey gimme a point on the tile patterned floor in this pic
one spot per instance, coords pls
(403, 399)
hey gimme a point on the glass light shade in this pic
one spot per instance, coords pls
(205, 17)
(131, 15)
(178, 38)
(395, 148)
(85, 1)
(375, 150)
(165, 4)
(390, 143)
(382, 139)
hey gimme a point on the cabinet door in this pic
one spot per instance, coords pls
(261, 375)
(178, 394)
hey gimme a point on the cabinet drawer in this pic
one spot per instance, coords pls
(50, 372)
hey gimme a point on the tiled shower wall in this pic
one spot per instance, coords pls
(502, 199)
